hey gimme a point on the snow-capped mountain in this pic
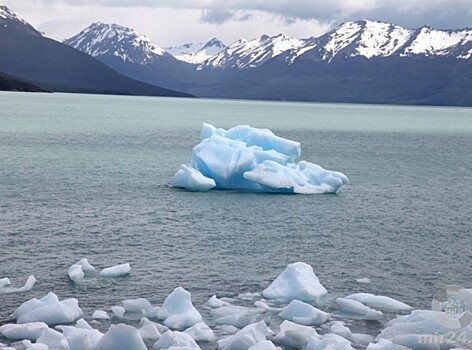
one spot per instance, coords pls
(101, 39)
(251, 54)
(197, 53)
(377, 39)
(9, 19)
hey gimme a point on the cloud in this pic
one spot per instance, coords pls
(216, 16)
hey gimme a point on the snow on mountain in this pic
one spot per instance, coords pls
(8, 17)
(196, 53)
(100, 39)
(251, 54)
(377, 39)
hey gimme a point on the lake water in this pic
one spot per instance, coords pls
(88, 176)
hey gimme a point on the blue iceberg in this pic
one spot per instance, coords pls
(251, 159)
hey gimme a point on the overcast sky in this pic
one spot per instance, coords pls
(181, 21)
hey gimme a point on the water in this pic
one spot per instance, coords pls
(87, 176)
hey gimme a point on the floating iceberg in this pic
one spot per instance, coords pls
(297, 281)
(354, 309)
(245, 338)
(246, 158)
(116, 271)
(121, 337)
(5, 285)
(380, 302)
(179, 310)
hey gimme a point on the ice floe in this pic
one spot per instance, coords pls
(116, 271)
(380, 302)
(5, 285)
(48, 309)
(243, 322)
(251, 159)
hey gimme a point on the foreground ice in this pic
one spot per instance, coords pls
(245, 338)
(297, 281)
(246, 158)
(353, 309)
(302, 313)
(179, 311)
(49, 310)
(121, 337)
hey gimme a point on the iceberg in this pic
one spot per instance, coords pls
(302, 313)
(121, 337)
(354, 309)
(245, 338)
(294, 335)
(179, 310)
(5, 285)
(251, 159)
(297, 281)
(380, 302)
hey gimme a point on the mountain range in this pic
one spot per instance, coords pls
(362, 61)
(27, 56)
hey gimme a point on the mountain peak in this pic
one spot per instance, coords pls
(9, 19)
(102, 39)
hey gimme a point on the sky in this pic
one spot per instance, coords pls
(175, 22)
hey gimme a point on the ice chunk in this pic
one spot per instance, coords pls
(53, 339)
(245, 338)
(86, 266)
(192, 180)
(384, 344)
(118, 311)
(263, 345)
(75, 273)
(297, 281)
(49, 310)
(238, 316)
(81, 337)
(294, 335)
(5, 285)
(4, 282)
(29, 331)
(364, 280)
(302, 313)
(380, 302)
(214, 302)
(175, 339)
(340, 328)
(181, 313)
(201, 332)
(245, 158)
(116, 271)
(100, 315)
(428, 327)
(136, 305)
(328, 342)
(356, 310)
(149, 330)
(121, 337)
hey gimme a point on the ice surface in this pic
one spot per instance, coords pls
(235, 315)
(201, 332)
(121, 337)
(297, 281)
(340, 328)
(86, 266)
(82, 336)
(385, 344)
(245, 338)
(175, 339)
(49, 310)
(380, 302)
(246, 158)
(136, 305)
(53, 339)
(328, 341)
(294, 335)
(149, 330)
(181, 313)
(302, 313)
(263, 345)
(365, 280)
(356, 310)
(29, 331)
(116, 271)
